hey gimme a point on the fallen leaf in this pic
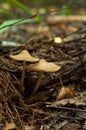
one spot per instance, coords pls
(58, 40)
(61, 26)
(10, 126)
(60, 125)
(65, 92)
(84, 127)
(27, 127)
(73, 29)
(78, 100)
(70, 91)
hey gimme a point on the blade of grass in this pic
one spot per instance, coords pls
(5, 12)
(9, 23)
(19, 5)
(25, 9)
(65, 11)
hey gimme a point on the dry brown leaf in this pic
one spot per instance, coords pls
(10, 126)
(65, 92)
(27, 127)
(55, 104)
(84, 127)
(78, 100)
(72, 29)
(58, 40)
(70, 91)
(60, 125)
(61, 26)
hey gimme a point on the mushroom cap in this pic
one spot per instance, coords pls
(24, 56)
(43, 66)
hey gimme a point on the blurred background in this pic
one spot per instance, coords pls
(23, 8)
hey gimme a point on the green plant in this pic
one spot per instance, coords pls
(6, 11)
(6, 24)
(65, 10)
(19, 5)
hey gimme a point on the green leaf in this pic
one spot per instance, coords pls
(4, 12)
(65, 11)
(20, 6)
(9, 23)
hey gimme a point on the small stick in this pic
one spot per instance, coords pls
(18, 116)
(57, 19)
(68, 117)
(71, 109)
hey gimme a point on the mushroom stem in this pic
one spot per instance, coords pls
(38, 83)
(22, 77)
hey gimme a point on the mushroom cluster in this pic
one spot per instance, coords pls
(41, 65)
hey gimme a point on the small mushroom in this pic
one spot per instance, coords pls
(25, 57)
(42, 66)
(65, 91)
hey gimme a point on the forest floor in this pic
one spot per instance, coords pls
(63, 43)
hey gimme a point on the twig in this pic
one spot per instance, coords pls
(8, 111)
(18, 116)
(67, 108)
(56, 19)
(68, 117)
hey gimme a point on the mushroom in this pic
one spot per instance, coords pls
(65, 91)
(42, 66)
(24, 56)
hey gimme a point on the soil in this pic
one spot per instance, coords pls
(44, 111)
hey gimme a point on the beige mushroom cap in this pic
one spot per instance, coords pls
(24, 56)
(43, 66)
